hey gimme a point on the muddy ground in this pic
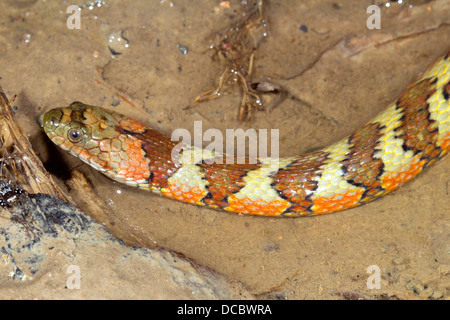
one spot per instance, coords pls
(338, 75)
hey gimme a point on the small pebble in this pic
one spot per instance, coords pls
(183, 49)
(115, 101)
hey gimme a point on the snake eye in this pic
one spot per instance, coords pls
(75, 135)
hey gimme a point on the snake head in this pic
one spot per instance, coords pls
(106, 140)
(78, 128)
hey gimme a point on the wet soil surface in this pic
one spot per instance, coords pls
(338, 74)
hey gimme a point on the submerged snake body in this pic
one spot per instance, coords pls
(411, 134)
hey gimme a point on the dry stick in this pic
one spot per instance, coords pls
(26, 166)
(235, 36)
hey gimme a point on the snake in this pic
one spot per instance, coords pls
(411, 134)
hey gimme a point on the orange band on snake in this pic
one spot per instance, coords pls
(411, 134)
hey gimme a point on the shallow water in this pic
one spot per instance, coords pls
(334, 87)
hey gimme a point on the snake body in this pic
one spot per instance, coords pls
(408, 136)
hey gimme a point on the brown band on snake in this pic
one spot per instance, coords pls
(419, 132)
(224, 180)
(158, 149)
(297, 182)
(361, 167)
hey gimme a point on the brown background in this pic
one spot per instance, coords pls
(406, 233)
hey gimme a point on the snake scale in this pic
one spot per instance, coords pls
(408, 136)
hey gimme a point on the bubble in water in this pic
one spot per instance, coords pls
(117, 43)
(27, 37)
